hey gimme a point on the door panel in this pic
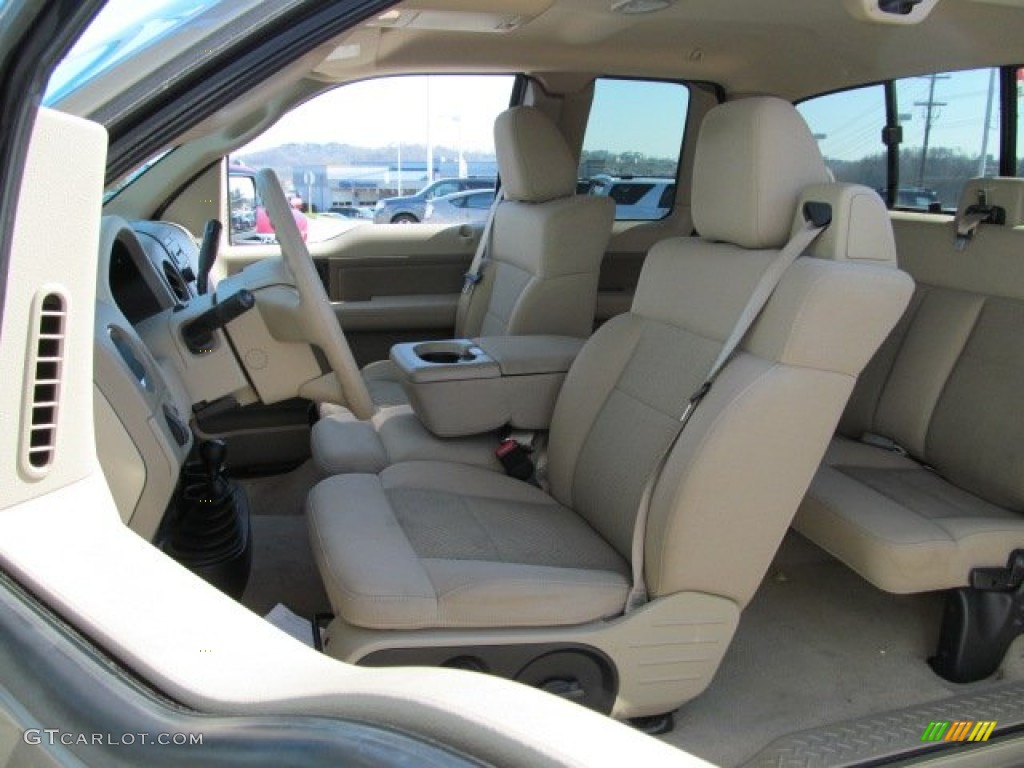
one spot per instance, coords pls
(397, 282)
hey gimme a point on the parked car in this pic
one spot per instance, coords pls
(636, 199)
(919, 199)
(462, 207)
(411, 209)
(348, 211)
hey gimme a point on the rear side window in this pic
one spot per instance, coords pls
(950, 133)
(632, 145)
(848, 126)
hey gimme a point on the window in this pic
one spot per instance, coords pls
(1019, 78)
(383, 148)
(632, 145)
(848, 126)
(950, 133)
(482, 200)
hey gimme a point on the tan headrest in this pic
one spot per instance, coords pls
(1004, 191)
(533, 159)
(861, 229)
(753, 158)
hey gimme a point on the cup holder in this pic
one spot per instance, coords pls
(442, 358)
(446, 352)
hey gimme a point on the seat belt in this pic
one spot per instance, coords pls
(817, 216)
(476, 267)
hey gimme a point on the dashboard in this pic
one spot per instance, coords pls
(166, 355)
(141, 407)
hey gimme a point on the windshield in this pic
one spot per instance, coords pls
(121, 29)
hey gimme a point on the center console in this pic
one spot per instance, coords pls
(463, 387)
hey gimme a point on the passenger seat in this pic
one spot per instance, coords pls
(545, 251)
(434, 562)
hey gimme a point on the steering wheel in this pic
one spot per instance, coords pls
(321, 324)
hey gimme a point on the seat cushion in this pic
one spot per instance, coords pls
(341, 443)
(430, 544)
(901, 525)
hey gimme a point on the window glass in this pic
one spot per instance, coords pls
(848, 126)
(950, 134)
(1020, 121)
(480, 200)
(950, 125)
(632, 145)
(382, 148)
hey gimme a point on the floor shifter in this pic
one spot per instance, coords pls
(210, 532)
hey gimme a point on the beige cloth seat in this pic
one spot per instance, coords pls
(945, 390)
(441, 547)
(540, 278)
(546, 247)
(458, 546)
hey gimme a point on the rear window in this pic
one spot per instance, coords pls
(635, 129)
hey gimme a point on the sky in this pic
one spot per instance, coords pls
(386, 111)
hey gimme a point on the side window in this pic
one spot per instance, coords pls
(372, 152)
(445, 188)
(848, 126)
(1020, 121)
(950, 124)
(950, 134)
(629, 193)
(632, 145)
(483, 200)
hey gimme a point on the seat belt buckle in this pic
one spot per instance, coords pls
(470, 281)
(515, 458)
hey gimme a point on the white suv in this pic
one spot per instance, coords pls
(637, 198)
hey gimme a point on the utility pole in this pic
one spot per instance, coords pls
(931, 114)
(983, 160)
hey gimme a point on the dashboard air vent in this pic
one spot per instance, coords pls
(44, 376)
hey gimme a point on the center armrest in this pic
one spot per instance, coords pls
(463, 387)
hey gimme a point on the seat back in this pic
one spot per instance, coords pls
(734, 479)
(946, 384)
(547, 242)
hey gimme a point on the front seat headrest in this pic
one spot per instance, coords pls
(753, 158)
(533, 158)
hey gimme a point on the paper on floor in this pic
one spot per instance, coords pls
(288, 621)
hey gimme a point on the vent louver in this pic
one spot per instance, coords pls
(43, 386)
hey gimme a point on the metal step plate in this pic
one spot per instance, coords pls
(945, 724)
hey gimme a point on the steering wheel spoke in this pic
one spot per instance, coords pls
(319, 319)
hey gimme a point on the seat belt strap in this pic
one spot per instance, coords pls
(476, 267)
(816, 219)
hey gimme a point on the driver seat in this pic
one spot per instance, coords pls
(547, 243)
(434, 562)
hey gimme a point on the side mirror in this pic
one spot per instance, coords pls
(242, 207)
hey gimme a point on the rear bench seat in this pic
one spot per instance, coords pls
(924, 481)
